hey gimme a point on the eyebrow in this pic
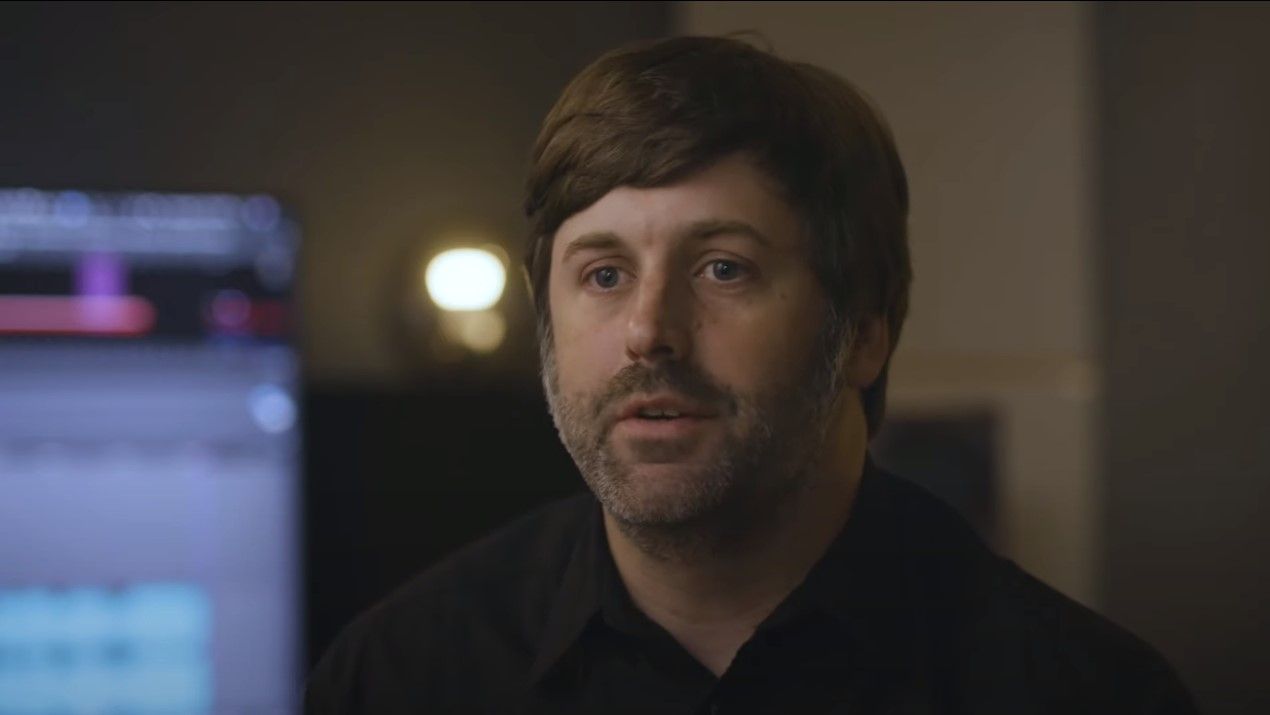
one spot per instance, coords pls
(697, 230)
(593, 240)
(713, 227)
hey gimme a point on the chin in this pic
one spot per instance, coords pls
(662, 493)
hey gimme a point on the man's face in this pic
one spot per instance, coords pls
(688, 371)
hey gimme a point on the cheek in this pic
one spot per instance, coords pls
(766, 346)
(587, 352)
(739, 353)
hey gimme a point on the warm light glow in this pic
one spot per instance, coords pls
(465, 279)
(483, 332)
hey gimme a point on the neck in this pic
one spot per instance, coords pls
(713, 602)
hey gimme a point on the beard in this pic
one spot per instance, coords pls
(741, 476)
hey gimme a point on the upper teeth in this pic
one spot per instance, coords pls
(658, 413)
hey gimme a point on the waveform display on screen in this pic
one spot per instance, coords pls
(149, 455)
(141, 650)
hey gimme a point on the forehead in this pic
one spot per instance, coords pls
(730, 192)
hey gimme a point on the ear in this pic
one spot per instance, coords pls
(871, 346)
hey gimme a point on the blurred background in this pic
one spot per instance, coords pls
(234, 411)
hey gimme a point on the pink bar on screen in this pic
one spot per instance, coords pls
(123, 316)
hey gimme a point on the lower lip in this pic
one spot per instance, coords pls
(677, 427)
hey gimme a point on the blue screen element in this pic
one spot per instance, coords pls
(144, 650)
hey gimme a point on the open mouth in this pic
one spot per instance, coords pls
(658, 415)
(662, 426)
(663, 417)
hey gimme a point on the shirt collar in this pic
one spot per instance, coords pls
(860, 582)
(863, 580)
(578, 598)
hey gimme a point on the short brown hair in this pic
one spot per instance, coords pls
(650, 114)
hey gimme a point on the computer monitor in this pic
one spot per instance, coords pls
(150, 557)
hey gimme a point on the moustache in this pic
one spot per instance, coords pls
(683, 379)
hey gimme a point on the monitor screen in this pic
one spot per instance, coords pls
(150, 554)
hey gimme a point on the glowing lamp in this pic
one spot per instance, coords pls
(465, 279)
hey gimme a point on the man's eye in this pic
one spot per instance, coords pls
(606, 277)
(725, 271)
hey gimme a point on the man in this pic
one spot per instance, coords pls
(720, 268)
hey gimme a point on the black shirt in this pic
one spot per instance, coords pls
(907, 612)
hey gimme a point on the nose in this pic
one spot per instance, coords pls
(659, 320)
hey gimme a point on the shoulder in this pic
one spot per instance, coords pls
(1080, 658)
(1016, 639)
(495, 590)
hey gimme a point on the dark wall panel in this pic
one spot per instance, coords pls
(398, 480)
(1185, 281)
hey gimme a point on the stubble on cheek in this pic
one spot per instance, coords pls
(745, 463)
(643, 480)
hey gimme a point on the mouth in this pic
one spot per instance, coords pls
(663, 417)
(661, 429)
(663, 407)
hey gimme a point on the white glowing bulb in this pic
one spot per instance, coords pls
(465, 279)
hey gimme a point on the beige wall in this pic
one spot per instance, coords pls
(991, 108)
